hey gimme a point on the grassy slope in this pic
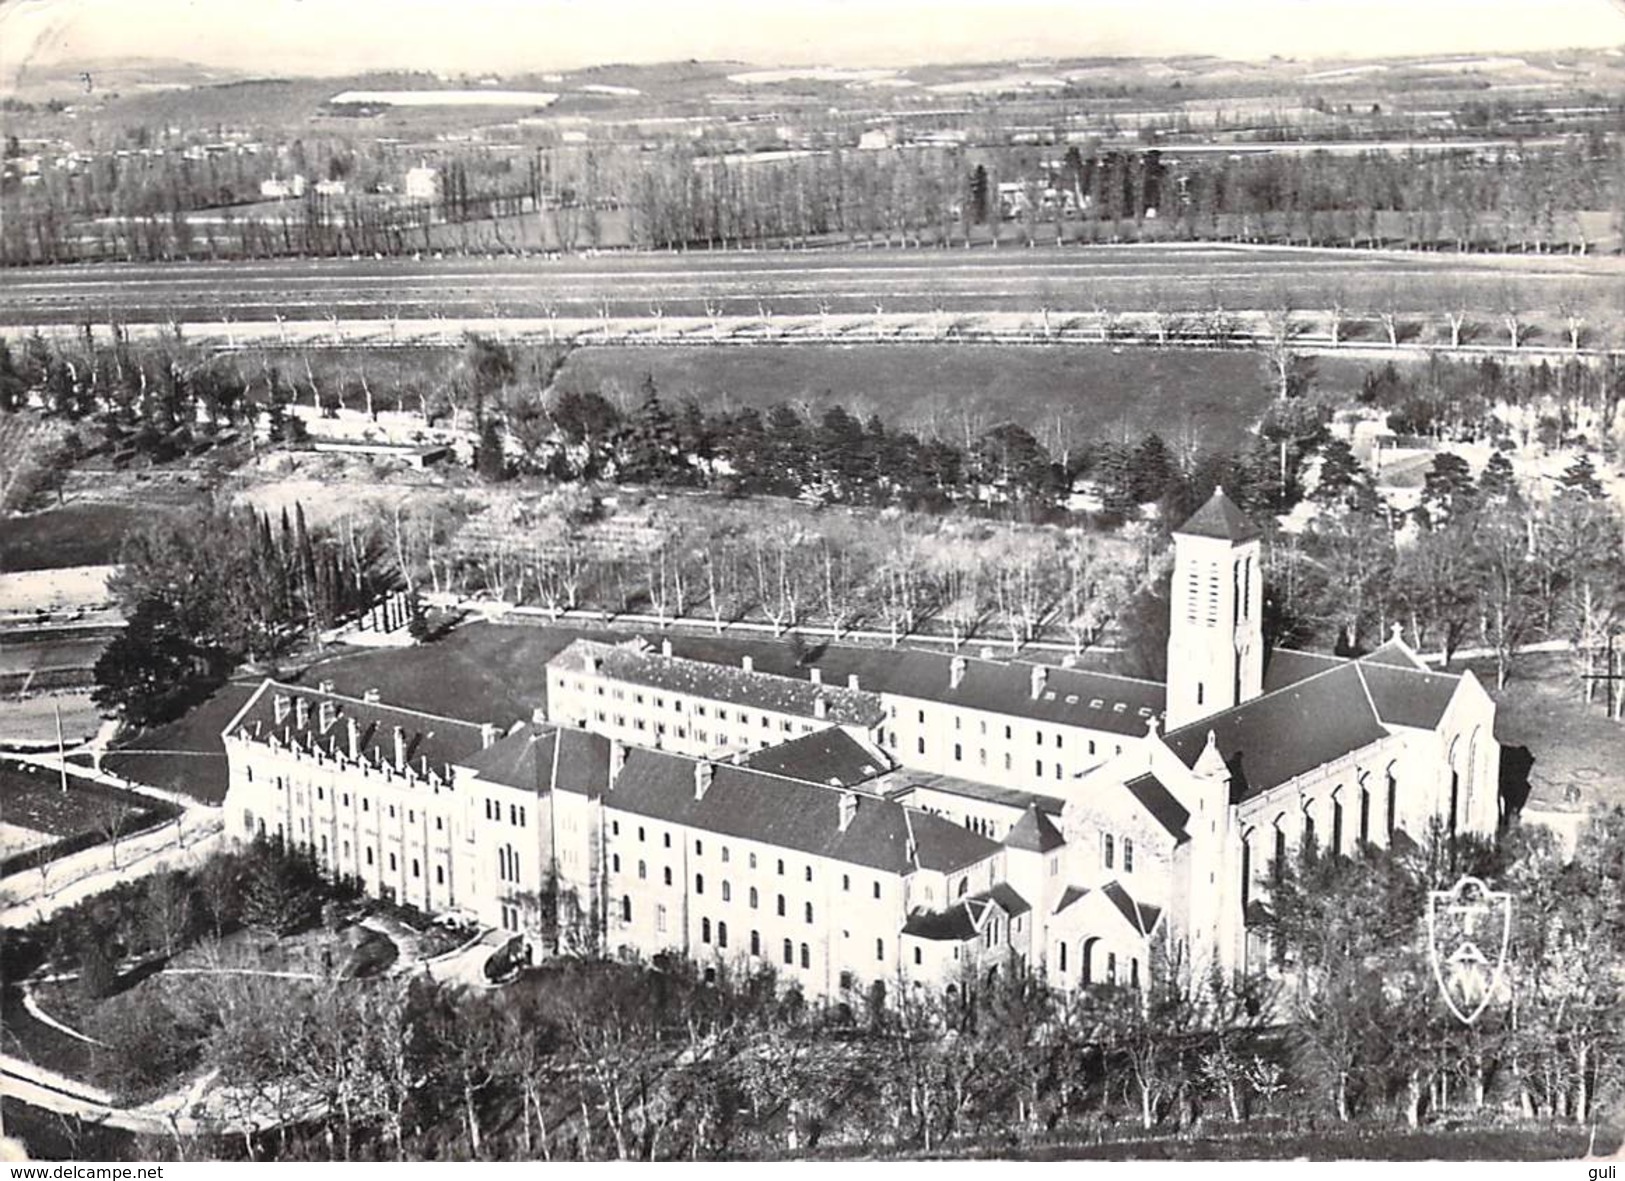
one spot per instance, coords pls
(1573, 743)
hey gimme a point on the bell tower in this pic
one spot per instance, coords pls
(1215, 629)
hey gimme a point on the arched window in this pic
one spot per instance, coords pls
(789, 952)
(705, 930)
(806, 956)
(727, 892)
(1393, 805)
(643, 871)
(807, 912)
(722, 934)
(626, 908)
(699, 883)
(1365, 814)
(1111, 967)
(1128, 855)
(666, 875)
(755, 943)
(1063, 957)
(1134, 972)
(781, 906)
(753, 898)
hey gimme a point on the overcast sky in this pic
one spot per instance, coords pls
(339, 36)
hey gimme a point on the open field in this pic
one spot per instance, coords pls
(1216, 397)
(75, 535)
(790, 283)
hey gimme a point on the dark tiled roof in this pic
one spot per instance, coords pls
(959, 922)
(1034, 833)
(752, 805)
(1140, 915)
(945, 846)
(1274, 738)
(1069, 696)
(997, 686)
(1284, 666)
(1220, 517)
(990, 792)
(582, 767)
(1395, 655)
(831, 756)
(723, 682)
(1007, 897)
(545, 758)
(1156, 799)
(1070, 895)
(523, 759)
(1405, 697)
(954, 925)
(431, 742)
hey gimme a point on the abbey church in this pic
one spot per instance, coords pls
(888, 815)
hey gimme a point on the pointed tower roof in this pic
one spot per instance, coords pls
(1220, 518)
(1034, 833)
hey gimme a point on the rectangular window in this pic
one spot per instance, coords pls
(880, 949)
(1128, 855)
(1106, 850)
(392, 862)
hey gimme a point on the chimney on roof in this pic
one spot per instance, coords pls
(748, 664)
(327, 713)
(371, 695)
(355, 739)
(400, 749)
(301, 713)
(665, 646)
(820, 708)
(1151, 726)
(324, 686)
(956, 671)
(1040, 675)
(849, 809)
(986, 653)
(703, 773)
(852, 680)
(817, 675)
(281, 703)
(488, 735)
(617, 761)
(1397, 632)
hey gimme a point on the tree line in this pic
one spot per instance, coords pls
(586, 1058)
(1528, 199)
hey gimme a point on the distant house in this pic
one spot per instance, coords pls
(423, 183)
(876, 139)
(277, 189)
(330, 188)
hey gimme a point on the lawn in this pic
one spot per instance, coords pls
(185, 755)
(1573, 744)
(74, 535)
(1085, 393)
(34, 799)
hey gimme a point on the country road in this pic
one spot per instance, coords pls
(738, 284)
